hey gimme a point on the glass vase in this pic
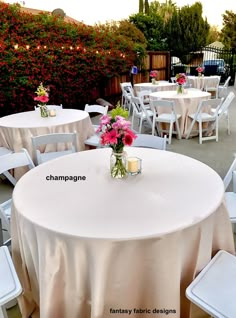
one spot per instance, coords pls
(153, 81)
(118, 165)
(180, 89)
(43, 110)
(199, 74)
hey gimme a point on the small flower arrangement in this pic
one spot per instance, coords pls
(180, 78)
(153, 74)
(42, 94)
(199, 69)
(116, 132)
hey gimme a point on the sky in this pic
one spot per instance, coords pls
(95, 11)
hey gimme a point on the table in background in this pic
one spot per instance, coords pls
(16, 130)
(185, 104)
(83, 248)
(202, 82)
(161, 86)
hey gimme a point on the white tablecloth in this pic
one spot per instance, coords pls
(16, 130)
(202, 82)
(86, 248)
(160, 86)
(185, 104)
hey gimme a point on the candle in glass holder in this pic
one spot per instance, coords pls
(52, 113)
(133, 165)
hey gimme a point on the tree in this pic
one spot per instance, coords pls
(228, 32)
(140, 6)
(146, 7)
(214, 35)
(152, 28)
(187, 31)
(165, 10)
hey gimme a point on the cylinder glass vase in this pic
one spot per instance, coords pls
(43, 110)
(118, 165)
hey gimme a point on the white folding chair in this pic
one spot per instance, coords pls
(68, 140)
(10, 286)
(5, 151)
(230, 197)
(224, 109)
(167, 115)
(202, 116)
(98, 109)
(213, 89)
(214, 289)
(127, 92)
(150, 141)
(140, 112)
(15, 160)
(145, 97)
(223, 89)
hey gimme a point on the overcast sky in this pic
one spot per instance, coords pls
(92, 11)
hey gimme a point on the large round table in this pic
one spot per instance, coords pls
(86, 245)
(17, 129)
(160, 86)
(185, 104)
(202, 82)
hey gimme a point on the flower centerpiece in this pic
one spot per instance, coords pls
(199, 69)
(42, 98)
(153, 75)
(116, 133)
(180, 80)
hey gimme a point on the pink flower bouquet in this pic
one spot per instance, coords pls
(153, 74)
(180, 78)
(42, 94)
(199, 69)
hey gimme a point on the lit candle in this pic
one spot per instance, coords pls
(52, 113)
(133, 165)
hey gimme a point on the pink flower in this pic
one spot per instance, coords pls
(199, 69)
(127, 140)
(42, 99)
(153, 74)
(111, 137)
(105, 120)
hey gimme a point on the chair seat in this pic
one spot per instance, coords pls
(53, 155)
(10, 286)
(204, 117)
(167, 117)
(230, 198)
(143, 115)
(93, 141)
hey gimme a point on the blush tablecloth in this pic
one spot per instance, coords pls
(96, 247)
(185, 104)
(16, 130)
(161, 86)
(202, 82)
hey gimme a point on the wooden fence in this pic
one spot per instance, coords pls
(159, 61)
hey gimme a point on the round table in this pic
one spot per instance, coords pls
(16, 130)
(202, 82)
(185, 104)
(115, 244)
(160, 86)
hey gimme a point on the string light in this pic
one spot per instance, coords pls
(16, 46)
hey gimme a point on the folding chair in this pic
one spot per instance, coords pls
(140, 112)
(150, 141)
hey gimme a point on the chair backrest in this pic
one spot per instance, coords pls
(150, 141)
(10, 286)
(139, 107)
(144, 95)
(215, 104)
(226, 103)
(56, 138)
(229, 175)
(50, 107)
(96, 109)
(166, 105)
(15, 160)
(173, 79)
(127, 88)
(5, 213)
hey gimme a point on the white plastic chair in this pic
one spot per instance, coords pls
(127, 92)
(168, 116)
(150, 141)
(94, 140)
(224, 88)
(230, 197)
(53, 139)
(213, 89)
(214, 289)
(201, 116)
(145, 97)
(224, 109)
(15, 160)
(5, 216)
(10, 286)
(141, 112)
(5, 151)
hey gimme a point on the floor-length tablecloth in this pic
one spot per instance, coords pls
(16, 130)
(160, 86)
(185, 104)
(102, 247)
(202, 82)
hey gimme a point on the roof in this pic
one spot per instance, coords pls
(217, 44)
(36, 11)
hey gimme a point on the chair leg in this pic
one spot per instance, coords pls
(3, 312)
(200, 132)
(190, 128)
(140, 125)
(228, 122)
(217, 130)
(170, 132)
(178, 129)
